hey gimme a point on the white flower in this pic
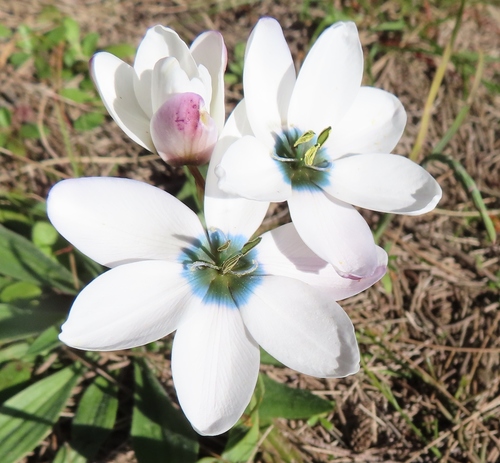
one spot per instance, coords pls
(224, 293)
(139, 98)
(321, 141)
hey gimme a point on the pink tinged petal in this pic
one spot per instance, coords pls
(182, 130)
(282, 252)
(247, 169)
(114, 81)
(115, 220)
(128, 306)
(335, 231)
(209, 50)
(231, 214)
(215, 363)
(169, 78)
(329, 79)
(373, 124)
(268, 79)
(159, 42)
(302, 327)
(385, 183)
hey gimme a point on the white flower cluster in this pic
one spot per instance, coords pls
(317, 139)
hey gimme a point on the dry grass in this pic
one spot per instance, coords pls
(430, 384)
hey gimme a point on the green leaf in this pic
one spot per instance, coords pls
(268, 359)
(22, 260)
(94, 419)
(5, 117)
(122, 50)
(5, 32)
(13, 352)
(157, 427)
(20, 290)
(89, 121)
(281, 401)
(242, 443)
(13, 376)
(31, 131)
(44, 234)
(75, 94)
(17, 323)
(45, 342)
(89, 44)
(28, 417)
(19, 58)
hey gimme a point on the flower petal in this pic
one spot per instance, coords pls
(115, 220)
(268, 79)
(247, 169)
(329, 79)
(302, 328)
(114, 80)
(282, 252)
(385, 183)
(128, 306)
(335, 231)
(209, 50)
(159, 42)
(215, 364)
(168, 79)
(231, 214)
(373, 124)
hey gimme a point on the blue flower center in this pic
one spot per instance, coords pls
(222, 270)
(302, 158)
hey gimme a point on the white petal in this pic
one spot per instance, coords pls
(215, 364)
(115, 220)
(373, 124)
(385, 183)
(209, 50)
(335, 231)
(302, 327)
(282, 252)
(169, 78)
(268, 79)
(128, 306)
(114, 80)
(231, 214)
(328, 80)
(247, 169)
(159, 42)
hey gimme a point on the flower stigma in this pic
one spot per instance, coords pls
(302, 157)
(223, 271)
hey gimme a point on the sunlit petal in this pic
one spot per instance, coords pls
(215, 363)
(301, 327)
(114, 220)
(385, 183)
(128, 306)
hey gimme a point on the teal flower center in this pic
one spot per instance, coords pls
(222, 270)
(302, 158)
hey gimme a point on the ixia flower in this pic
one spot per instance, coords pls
(321, 141)
(171, 101)
(222, 291)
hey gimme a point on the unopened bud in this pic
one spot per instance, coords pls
(183, 131)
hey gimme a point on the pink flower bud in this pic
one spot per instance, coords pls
(182, 130)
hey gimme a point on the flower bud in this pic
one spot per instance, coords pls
(183, 131)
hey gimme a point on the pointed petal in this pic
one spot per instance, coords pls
(247, 169)
(209, 50)
(231, 214)
(385, 183)
(215, 364)
(128, 306)
(168, 79)
(268, 79)
(373, 124)
(302, 328)
(115, 220)
(335, 231)
(114, 80)
(159, 42)
(329, 79)
(282, 252)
